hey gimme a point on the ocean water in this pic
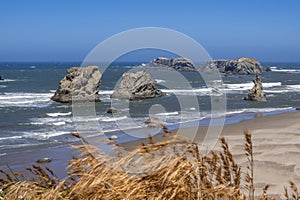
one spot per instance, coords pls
(29, 118)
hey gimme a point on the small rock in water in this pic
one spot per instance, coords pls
(113, 137)
(259, 114)
(298, 108)
(44, 160)
(268, 69)
(112, 110)
(154, 122)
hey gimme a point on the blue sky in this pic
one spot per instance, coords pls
(57, 30)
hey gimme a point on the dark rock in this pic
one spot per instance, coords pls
(136, 86)
(1, 79)
(154, 122)
(298, 108)
(44, 160)
(240, 66)
(80, 84)
(256, 93)
(180, 64)
(268, 69)
(112, 110)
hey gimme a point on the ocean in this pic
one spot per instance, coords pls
(28, 118)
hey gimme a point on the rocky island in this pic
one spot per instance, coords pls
(136, 86)
(80, 84)
(180, 64)
(241, 66)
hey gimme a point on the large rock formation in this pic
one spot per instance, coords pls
(239, 66)
(80, 84)
(256, 93)
(183, 64)
(135, 86)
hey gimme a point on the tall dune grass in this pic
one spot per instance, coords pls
(174, 169)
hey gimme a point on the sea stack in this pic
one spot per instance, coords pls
(136, 86)
(256, 93)
(80, 84)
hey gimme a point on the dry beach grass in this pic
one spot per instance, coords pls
(178, 171)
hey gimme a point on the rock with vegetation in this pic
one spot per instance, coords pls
(136, 86)
(239, 66)
(80, 84)
(256, 93)
(180, 64)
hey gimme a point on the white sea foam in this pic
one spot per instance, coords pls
(199, 91)
(168, 113)
(159, 81)
(3, 86)
(59, 123)
(44, 135)
(11, 138)
(218, 91)
(294, 87)
(110, 119)
(59, 114)
(277, 91)
(86, 119)
(256, 110)
(25, 99)
(275, 69)
(7, 80)
(103, 92)
(247, 86)
(56, 121)
(284, 89)
(37, 123)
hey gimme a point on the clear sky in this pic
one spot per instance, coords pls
(57, 30)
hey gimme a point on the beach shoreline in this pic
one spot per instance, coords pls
(270, 132)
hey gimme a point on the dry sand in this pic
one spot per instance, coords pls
(276, 141)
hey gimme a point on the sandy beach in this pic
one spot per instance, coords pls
(276, 140)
